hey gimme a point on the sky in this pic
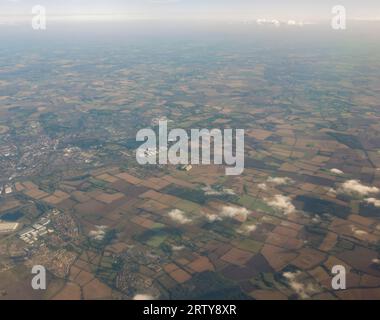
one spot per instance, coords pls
(302, 10)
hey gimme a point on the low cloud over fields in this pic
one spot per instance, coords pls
(179, 216)
(281, 203)
(354, 187)
(238, 213)
(98, 234)
(373, 201)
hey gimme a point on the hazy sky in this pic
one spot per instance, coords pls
(199, 9)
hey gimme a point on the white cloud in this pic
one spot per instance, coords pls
(373, 201)
(212, 217)
(336, 171)
(354, 187)
(279, 181)
(282, 203)
(178, 216)
(360, 232)
(99, 233)
(177, 248)
(247, 229)
(331, 191)
(316, 219)
(304, 290)
(263, 186)
(250, 227)
(239, 213)
(212, 192)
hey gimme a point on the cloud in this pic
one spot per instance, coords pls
(282, 203)
(179, 216)
(336, 171)
(360, 232)
(354, 187)
(98, 234)
(238, 213)
(263, 186)
(212, 217)
(373, 201)
(280, 181)
(177, 248)
(275, 181)
(247, 229)
(316, 219)
(212, 192)
(143, 297)
(303, 290)
(331, 191)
